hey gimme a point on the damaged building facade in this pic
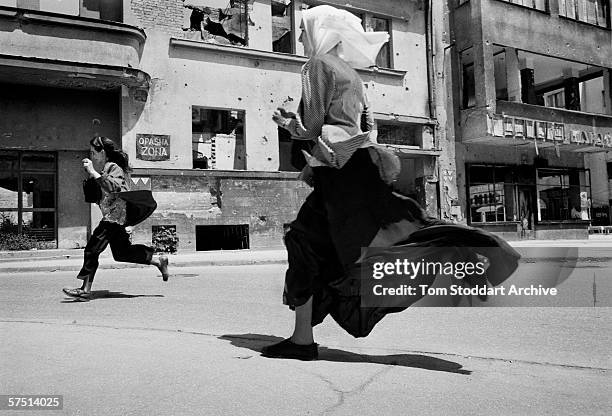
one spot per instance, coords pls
(188, 88)
(533, 115)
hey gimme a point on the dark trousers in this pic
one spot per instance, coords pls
(122, 248)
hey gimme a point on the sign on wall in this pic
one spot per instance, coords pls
(537, 130)
(153, 147)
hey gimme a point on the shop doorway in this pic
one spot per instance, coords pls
(28, 196)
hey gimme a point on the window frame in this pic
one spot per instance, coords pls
(546, 8)
(515, 183)
(243, 112)
(293, 38)
(389, 44)
(20, 172)
(606, 19)
(565, 190)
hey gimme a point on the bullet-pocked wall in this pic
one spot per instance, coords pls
(201, 70)
(223, 76)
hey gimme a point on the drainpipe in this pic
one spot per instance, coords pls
(428, 46)
(431, 89)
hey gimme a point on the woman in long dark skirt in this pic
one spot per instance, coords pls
(352, 204)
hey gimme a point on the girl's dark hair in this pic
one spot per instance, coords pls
(113, 152)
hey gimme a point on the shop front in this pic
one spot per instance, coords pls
(533, 172)
(526, 201)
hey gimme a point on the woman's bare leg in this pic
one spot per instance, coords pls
(302, 333)
(87, 284)
(301, 345)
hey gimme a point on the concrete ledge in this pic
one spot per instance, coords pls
(229, 174)
(269, 56)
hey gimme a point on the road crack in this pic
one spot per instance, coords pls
(344, 394)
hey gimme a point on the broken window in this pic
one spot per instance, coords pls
(378, 24)
(404, 134)
(217, 138)
(282, 26)
(222, 237)
(220, 21)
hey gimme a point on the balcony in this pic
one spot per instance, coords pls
(47, 47)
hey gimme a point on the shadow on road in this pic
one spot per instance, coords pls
(107, 294)
(256, 342)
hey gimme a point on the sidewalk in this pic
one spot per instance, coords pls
(71, 259)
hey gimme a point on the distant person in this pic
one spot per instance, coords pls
(576, 214)
(114, 228)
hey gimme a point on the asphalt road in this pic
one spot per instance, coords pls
(191, 347)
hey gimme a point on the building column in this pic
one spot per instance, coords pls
(572, 89)
(513, 75)
(442, 136)
(484, 64)
(427, 184)
(607, 80)
(528, 95)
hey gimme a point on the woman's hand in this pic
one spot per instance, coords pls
(89, 168)
(282, 117)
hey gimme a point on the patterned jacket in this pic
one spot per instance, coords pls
(335, 114)
(112, 180)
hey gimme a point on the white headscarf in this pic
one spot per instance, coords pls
(325, 27)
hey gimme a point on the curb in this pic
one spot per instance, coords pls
(118, 266)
